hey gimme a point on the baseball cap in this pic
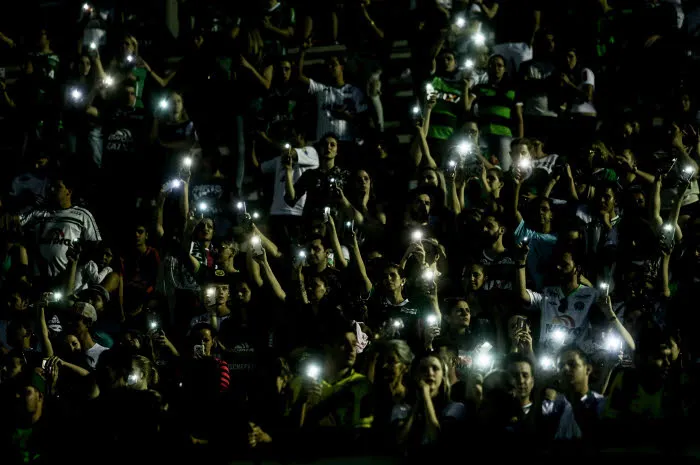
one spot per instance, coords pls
(85, 310)
(97, 289)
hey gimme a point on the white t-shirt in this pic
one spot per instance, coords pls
(56, 230)
(574, 322)
(93, 354)
(537, 104)
(546, 163)
(307, 159)
(328, 99)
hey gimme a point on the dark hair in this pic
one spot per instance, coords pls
(337, 331)
(585, 358)
(651, 337)
(318, 237)
(399, 269)
(329, 135)
(201, 326)
(497, 217)
(519, 357)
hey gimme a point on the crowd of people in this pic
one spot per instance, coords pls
(233, 256)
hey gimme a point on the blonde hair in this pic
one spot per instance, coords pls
(147, 368)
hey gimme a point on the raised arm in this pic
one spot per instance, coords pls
(515, 199)
(335, 243)
(520, 278)
(300, 64)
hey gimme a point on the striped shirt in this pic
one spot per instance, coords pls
(495, 108)
(331, 99)
(55, 231)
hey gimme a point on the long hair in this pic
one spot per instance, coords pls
(443, 395)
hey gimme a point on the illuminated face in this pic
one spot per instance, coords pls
(460, 315)
(431, 372)
(497, 68)
(524, 381)
(317, 253)
(316, 290)
(475, 277)
(573, 370)
(392, 280)
(207, 340)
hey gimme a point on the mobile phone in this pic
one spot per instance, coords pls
(521, 324)
(350, 226)
(199, 351)
(43, 363)
(256, 242)
(326, 214)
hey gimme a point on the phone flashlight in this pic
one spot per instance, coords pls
(76, 94)
(57, 296)
(86, 6)
(287, 146)
(460, 22)
(327, 212)
(256, 215)
(428, 275)
(668, 227)
(154, 325)
(240, 206)
(605, 287)
(397, 323)
(546, 362)
(202, 206)
(689, 170)
(415, 110)
(525, 240)
(210, 292)
(132, 379)
(524, 163)
(302, 254)
(613, 343)
(313, 371)
(559, 336)
(187, 162)
(479, 39)
(484, 361)
(129, 58)
(175, 183)
(163, 104)
(431, 320)
(109, 81)
(464, 147)
(93, 46)
(452, 164)
(469, 63)
(429, 89)
(417, 235)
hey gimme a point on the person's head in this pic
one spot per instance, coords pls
(141, 235)
(84, 65)
(242, 292)
(11, 365)
(545, 44)
(470, 129)
(363, 182)
(605, 198)
(492, 228)
(541, 212)
(95, 295)
(218, 293)
(494, 178)
(685, 102)
(474, 276)
(335, 66)
(177, 104)
(420, 205)
(128, 92)
(394, 361)
(393, 278)
(204, 334)
(654, 353)
(522, 148)
(317, 254)
(144, 374)
(571, 58)
(565, 264)
(43, 39)
(575, 367)
(431, 369)
(113, 368)
(62, 192)
(429, 178)
(316, 287)
(81, 319)
(496, 68)
(284, 68)
(204, 231)
(227, 252)
(328, 146)
(20, 333)
(18, 297)
(341, 345)
(447, 61)
(459, 314)
(30, 393)
(71, 344)
(130, 46)
(522, 368)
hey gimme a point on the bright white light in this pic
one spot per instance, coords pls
(416, 110)
(239, 206)
(187, 162)
(479, 38)
(313, 371)
(130, 58)
(452, 163)
(469, 64)
(109, 81)
(524, 163)
(431, 320)
(397, 323)
(255, 240)
(613, 343)
(93, 46)
(202, 206)
(483, 360)
(668, 227)
(256, 215)
(461, 22)
(348, 224)
(559, 336)
(605, 287)
(175, 183)
(133, 379)
(332, 180)
(429, 88)
(57, 296)
(154, 324)
(327, 211)
(428, 275)
(76, 94)
(163, 104)
(464, 147)
(546, 362)
(417, 236)
(485, 347)
(86, 6)
(210, 292)
(689, 170)
(287, 146)
(302, 254)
